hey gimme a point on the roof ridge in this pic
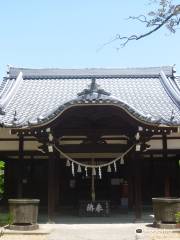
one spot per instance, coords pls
(41, 68)
(90, 72)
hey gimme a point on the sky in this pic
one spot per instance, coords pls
(70, 34)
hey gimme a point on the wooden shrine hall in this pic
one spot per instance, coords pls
(72, 135)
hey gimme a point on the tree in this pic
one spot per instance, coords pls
(166, 15)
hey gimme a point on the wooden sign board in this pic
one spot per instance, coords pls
(94, 208)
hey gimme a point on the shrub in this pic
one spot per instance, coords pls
(177, 215)
(1, 178)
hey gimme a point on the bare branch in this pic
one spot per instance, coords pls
(135, 37)
(166, 15)
(140, 18)
(171, 26)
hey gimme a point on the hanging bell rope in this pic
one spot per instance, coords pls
(94, 171)
(120, 157)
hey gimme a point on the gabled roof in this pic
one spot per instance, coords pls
(33, 97)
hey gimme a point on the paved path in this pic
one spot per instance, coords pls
(23, 237)
(109, 232)
(120, 227)
(98, 232)
(94, 232)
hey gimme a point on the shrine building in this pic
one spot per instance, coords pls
(72, 135)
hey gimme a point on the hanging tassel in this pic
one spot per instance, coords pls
(79, 169)
(93, 171)
(50, 137)
(100, 173)
(122, 161)
(50, 148)
(138, 147)
(109, 169)
(137, 136)
(115, 168)
(72, 168)
(68, 164)
(86, 171)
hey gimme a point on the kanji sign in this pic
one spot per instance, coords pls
(96, 208)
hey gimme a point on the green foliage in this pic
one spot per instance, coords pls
(6, 219)
(2, 164)
(10, 219)
(177, 216)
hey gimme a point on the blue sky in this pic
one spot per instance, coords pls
(67, 34)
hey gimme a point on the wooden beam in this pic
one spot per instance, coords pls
(16, 139)
(97, 148)
(39, 131)
(90, 131)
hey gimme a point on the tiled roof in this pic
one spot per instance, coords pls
(37, 96)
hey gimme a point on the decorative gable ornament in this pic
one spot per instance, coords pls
(93, 92)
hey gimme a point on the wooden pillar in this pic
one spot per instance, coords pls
(51, 186)
(6, 178)
(57, 167)
(130, 192)
(20, 167)
(137, 188)
(130, 183)
(166, 164)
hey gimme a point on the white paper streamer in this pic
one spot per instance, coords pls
(86, 171)
(122, 161)
(68, 164)
(72, 168)
(100, 173)
(109, 169)
(115, 168)
(79, 169)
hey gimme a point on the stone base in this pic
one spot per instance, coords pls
(25, 227)
(165, 225)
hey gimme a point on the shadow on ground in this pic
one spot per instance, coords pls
(72, 217)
